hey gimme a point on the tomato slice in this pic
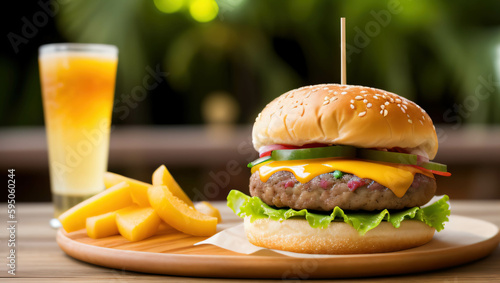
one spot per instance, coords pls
(446, 174)
(265, 154)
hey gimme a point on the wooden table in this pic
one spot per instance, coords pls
(40, 259)
(472, 154)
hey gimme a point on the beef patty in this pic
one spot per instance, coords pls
(349, 192)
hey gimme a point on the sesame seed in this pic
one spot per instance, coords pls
(331, 90)
(409, 121)
(385, 97)
(326, 102)
(315, 90)
(308, 94)
(402, 109)
(385, 112)
(333, 99)
(369, 105)
(382, 106)
(391, 99)
(421, 122)
(365, 100)
(381, 111)
(423, 118)
(352, 100)
(386, 103)
(375, 97)
(359, 97)
(405, 107)
(363, 91)
(344, 92)
(361, 114)
(352, 106)
(405, 102)
(325, 88)
(398, 100)
(408, 115)
(326, 98)
(378, 94)
(399, 105)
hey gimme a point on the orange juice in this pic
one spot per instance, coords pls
(78, 89)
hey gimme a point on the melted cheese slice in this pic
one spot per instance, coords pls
(398, 178)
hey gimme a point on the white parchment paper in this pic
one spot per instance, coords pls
(234, 239)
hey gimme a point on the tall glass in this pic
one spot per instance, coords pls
(78, 83)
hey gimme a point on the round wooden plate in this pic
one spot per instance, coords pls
(170, 252)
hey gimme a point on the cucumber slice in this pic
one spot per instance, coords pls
(314, 152)
(434, 166)
(387, 156)
(258, 161)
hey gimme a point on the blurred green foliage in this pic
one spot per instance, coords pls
(433, 52)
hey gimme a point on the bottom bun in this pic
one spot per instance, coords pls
(295, 235)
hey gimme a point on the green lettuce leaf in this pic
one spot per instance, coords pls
(433, 215)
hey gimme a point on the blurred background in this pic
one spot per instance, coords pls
(218, 62)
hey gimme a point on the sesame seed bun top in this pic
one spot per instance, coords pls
(345, 115)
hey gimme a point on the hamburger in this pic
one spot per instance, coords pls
(342, 170)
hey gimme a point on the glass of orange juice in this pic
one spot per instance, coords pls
(78, 83)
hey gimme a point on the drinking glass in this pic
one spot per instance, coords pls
(78, 83)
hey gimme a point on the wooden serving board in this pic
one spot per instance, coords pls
(171, 252)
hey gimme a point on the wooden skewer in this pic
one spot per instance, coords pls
(342, 52)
